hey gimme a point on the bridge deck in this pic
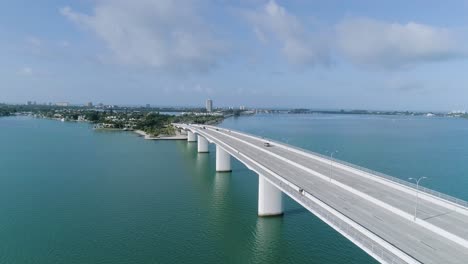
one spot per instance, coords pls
(450, 220)
(417, 241)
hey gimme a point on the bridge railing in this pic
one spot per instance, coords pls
(406, 183)
(350, 229)
(374, 249)
(374, 173)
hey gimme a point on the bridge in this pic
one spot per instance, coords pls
(394, 221)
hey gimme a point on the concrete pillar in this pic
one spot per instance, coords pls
(202, 145)
(223, 160)
(191, 137)
(270, 200)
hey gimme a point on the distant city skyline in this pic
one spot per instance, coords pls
(286, 54)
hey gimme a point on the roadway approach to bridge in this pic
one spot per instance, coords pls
(390, 219)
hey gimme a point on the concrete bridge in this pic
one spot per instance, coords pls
(390, 219)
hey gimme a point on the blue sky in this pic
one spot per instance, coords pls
(404, 55)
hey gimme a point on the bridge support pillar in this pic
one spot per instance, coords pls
(270, 200)
(191, 137)
(223, 160)
(202, 144)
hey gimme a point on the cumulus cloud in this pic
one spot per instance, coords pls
(301, 47)
(174, 35)
(164, 34)
(362, 41)
(392, 45)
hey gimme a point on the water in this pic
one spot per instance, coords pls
(400, 146)
(69, 194)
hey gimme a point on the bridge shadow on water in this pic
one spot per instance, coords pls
(296, 211)
(242, 169)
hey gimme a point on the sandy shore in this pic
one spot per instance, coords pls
(149, 137)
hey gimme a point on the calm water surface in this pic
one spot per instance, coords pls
(69, 194)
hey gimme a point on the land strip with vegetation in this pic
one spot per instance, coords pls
(149, 120)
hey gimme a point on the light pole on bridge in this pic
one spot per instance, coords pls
(417, 195)
(331, 162)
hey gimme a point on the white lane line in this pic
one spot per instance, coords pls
(394, 250)
(459, 240)
(426, 196)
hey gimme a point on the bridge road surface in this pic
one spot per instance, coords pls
(415, 240)
(447, 219)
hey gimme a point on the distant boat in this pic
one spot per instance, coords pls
(63, 119)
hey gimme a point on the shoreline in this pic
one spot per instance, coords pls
(146, 136)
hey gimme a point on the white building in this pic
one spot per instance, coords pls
(209, 105)
(61, 104)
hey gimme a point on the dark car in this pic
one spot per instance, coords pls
(301, 191)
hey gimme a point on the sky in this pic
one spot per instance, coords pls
(362, 54)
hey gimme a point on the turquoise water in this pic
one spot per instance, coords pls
(69, 194)
(400, 146)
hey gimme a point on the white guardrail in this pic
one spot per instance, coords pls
(376, 250)
(447, 197)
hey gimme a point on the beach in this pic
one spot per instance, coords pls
(145, 135)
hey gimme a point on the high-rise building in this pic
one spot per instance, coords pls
(89, 104)
(209, 105)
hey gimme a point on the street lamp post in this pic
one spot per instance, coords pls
(331, 162)
(417, 195)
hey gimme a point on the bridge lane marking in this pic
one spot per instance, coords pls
(249, 166)
(397, 211)
(376, 179)
(424, 195)
(376, 238)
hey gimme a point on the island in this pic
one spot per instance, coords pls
(153, 123)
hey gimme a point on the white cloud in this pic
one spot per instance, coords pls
(174, 35)
(362, 41)
(300, 46)
(164, 34)
(392, 45)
